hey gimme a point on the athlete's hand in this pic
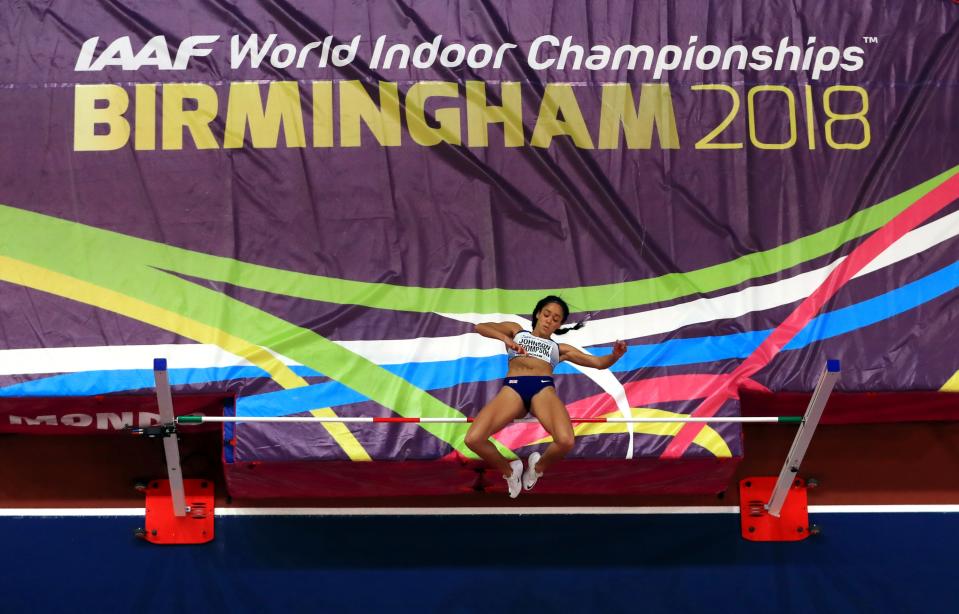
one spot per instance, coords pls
(514, 346)
(619, 348)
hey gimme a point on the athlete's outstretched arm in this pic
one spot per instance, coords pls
(581, 358)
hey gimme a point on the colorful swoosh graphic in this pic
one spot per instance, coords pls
(140, 279)
(433, 375)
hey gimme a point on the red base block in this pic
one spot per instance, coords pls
(163, 527)
(758, 526)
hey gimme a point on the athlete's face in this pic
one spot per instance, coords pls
(550, 318)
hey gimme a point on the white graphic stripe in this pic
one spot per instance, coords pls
(432, 349)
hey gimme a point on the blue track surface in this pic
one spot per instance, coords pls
(530, 564)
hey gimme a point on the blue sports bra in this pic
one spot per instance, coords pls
(546, 350)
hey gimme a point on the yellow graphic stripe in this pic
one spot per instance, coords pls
(353, 448)
(708, 438)
(38, 278)
(952, 384)
(25, 274)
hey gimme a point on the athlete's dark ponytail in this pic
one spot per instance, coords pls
(555, 299)
(577, 326)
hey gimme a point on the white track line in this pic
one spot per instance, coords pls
(472, 511)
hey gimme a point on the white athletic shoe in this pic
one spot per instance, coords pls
(531, 475)
(514, 482)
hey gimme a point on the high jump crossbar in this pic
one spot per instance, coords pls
(807, 426)
(466, 420)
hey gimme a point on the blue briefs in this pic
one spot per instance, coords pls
(528, 386)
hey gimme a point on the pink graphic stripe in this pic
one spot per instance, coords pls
(915, 214)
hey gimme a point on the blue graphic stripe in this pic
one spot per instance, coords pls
(879, 308)
(229, 431)
(425, 375)
(444, 374)
(85, 383)
(825, 326)
(687, 351)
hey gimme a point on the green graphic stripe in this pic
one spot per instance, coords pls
(104, 264)
(493, 300)
(589, 298)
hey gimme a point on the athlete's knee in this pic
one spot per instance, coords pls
(564, 441)
(475, 439)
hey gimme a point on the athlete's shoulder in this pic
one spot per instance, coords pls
(514, 328)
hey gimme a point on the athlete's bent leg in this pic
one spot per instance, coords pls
(551, 412)
(503, 409)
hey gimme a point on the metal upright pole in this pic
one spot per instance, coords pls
(170, 445)
(803, 436)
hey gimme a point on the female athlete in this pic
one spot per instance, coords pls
(528, 387)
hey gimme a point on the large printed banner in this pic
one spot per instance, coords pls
(308, 205)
